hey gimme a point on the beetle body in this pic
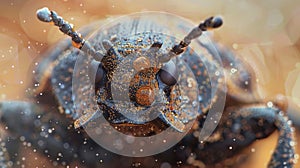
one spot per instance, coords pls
(141, 92)
(132, 46)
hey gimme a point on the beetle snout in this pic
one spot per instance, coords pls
(145, 92)
(145, 95)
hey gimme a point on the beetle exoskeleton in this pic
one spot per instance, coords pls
(147, 79)
(135, 74)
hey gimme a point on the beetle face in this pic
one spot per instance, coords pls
(140, 88)
(136, 83)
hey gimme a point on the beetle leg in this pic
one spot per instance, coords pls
(45, 131)
(241, 127)
(50, 133)
(28, 121)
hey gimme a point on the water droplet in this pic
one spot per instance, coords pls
(195, 103)
(22, 138)
(233, 70)
(66, 145)
(235, 46)
(270, 104)
(292, 143)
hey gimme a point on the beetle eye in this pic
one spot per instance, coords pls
(168, 74)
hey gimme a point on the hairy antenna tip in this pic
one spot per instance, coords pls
(44, 15)
(217, 22)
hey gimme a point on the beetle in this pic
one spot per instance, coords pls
(132, 72)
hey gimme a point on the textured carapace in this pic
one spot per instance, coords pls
(144, 75)
(154, 73)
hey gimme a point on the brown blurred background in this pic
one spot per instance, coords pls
(264, 33)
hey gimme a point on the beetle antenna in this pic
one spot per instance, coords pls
(155, 46)
(209, 23)
(45, 15)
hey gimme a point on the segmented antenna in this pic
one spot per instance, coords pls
(209, 23)
(45, 15)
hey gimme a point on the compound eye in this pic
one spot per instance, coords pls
(168, 73)
(96, 71)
